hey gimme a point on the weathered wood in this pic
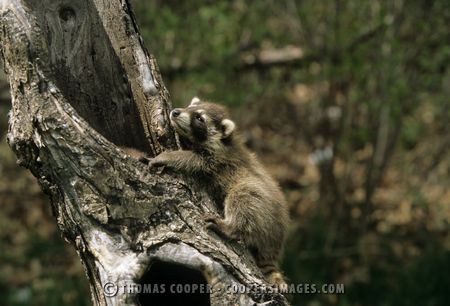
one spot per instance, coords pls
(81, 84)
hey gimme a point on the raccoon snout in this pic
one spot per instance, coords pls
(175, 113)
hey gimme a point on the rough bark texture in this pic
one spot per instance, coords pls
(81, 84)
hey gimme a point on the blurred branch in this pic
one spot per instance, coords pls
(302, 60)
(380, 149)
(384, 146)
(272, 56)
(289, 56)
(440, 154)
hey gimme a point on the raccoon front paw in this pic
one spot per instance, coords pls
(163, 159)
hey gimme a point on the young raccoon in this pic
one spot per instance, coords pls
(255, 211)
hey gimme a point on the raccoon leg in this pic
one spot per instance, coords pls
(183, 161)
(237, 222)
(271, 272)
(247, 212)
(135, 153)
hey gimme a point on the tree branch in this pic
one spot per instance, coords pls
(81, 84)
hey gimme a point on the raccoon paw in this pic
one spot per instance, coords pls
(213, 224)
(217, 226)
(277, 281)
(155, 162)
(214, 227)
(210, 219)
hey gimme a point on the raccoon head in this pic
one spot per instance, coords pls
(203, 124)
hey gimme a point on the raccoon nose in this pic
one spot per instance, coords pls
(176, 112)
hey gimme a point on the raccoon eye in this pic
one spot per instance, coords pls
(199, 118)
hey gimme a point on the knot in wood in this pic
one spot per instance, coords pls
(67, 15)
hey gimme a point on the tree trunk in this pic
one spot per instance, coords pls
(81, 84)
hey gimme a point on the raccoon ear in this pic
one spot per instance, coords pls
(194, 101)
(228, 127)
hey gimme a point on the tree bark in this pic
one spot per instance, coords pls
(82, 84)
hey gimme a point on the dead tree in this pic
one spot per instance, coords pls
(82, 84)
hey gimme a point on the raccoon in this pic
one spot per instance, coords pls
(255, 211)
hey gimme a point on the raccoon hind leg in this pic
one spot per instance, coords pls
(272, 274)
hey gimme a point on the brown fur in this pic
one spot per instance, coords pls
(255, 211)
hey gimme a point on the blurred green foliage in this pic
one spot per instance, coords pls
(36, 266)
(370, 82)
(383, 66)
